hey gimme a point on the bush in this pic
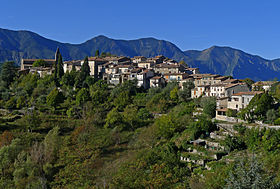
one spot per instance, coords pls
(239, 128)
(82, 97)
(231, 113)
(55, 98)
(271, 115)
(209, 106)
(39, 63)
(11, 104)
(277, 121)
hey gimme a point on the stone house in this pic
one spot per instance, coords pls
(263, 85)
(192, 70)
(143, 78)
(93, 63)
(117, 60)
(201, 90)
(28, 63)
(205, 79)
(157, 81)
(175, 76)
(226, 90)
(138, 59)
(147, 65)
(168, 68)
(69, 65)
(241, 100)
(41, 71)
(124, 68)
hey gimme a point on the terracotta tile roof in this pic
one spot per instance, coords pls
(96, 59)
(156, 77)
(164, 65)
(203, 75)
(124, 66)
(72, 62)
(184, 74)
(31, 61)
(222, 78)
(226, 85)
(232, 85)
(247, 93)
(264, 83)
(136, 70)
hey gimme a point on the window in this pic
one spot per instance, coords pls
(236, 106)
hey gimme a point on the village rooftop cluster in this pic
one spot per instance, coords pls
(157, 72)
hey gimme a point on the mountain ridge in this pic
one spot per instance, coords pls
(223, 60)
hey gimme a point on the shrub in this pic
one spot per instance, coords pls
(277, 121)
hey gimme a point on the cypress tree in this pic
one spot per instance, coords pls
(60, 70)
(85, 70)
(84, 73)
(55, 64)
(97, 53)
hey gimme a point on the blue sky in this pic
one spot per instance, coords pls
(252, 26)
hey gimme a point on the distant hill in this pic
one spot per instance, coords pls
(229, 61)
(15, 45)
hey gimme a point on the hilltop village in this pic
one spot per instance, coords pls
(119, 122)
(230, 93)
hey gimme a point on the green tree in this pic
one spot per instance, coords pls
(232, 143)
(185, 93)
(103, 54)
(55, 98)
(122, 100)
(8, 155)
(271, 115)
(250, 174)
(143, 114)
(82, 97)
(166, 126)
(257, 107)
(21, 102)
(97, 53)
(12, 103)
(31, 121)
(201, 128)
(39, 63)
(8, 73)
(114, 119)
(209, 106)
(231, 113)
(85, 70)
(83, 74)
(130, 116)
(99, 92)
(69, 78)
(174, 94)
(51, 145)
(60, 71)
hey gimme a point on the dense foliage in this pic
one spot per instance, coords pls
(71, 131)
